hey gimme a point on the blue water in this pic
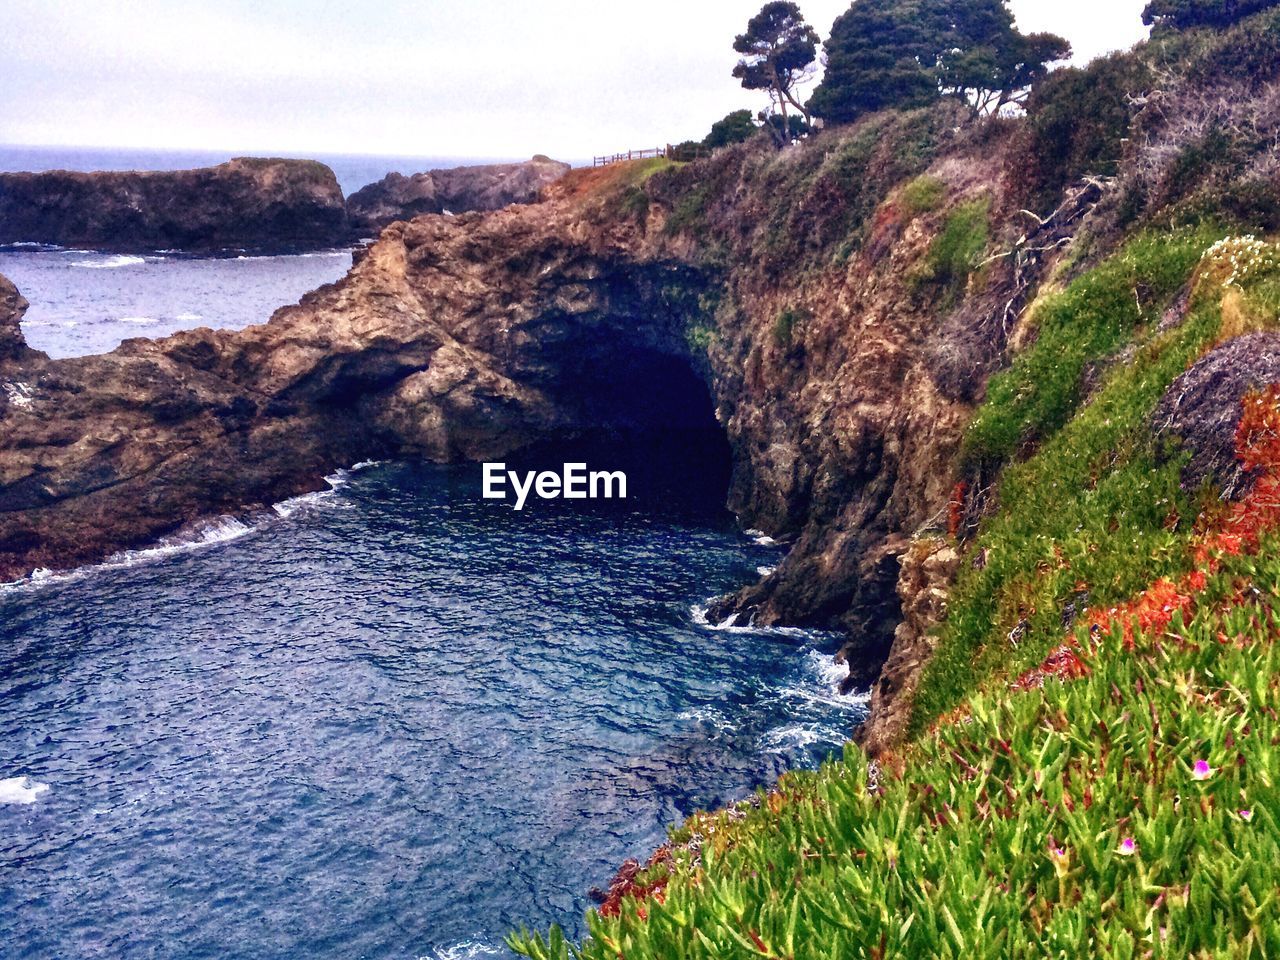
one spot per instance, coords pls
(85, 303)
(395, 720)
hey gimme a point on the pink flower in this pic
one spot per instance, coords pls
(1128, 847)
(1246, 815)
(1201, 770)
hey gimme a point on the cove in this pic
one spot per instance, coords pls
(395, 720)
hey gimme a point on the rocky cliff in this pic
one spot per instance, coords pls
(254, 204)
(472, 336)
(456, 190)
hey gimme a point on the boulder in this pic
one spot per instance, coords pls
(1201, 410)
(262, 205)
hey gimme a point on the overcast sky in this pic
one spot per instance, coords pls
(444, 78)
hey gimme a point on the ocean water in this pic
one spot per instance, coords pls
(85, 302)
(393, 720)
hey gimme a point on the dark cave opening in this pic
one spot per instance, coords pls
(650, 414)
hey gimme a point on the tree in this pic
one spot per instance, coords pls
(1165, 15)
(778, 50)
(907, 53)
(881, 54)
(733, 128)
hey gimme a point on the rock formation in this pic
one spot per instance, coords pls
(1201, 410)
(457, 190)
(252, 204)
(473, 336)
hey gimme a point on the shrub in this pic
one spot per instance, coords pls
(924, 194)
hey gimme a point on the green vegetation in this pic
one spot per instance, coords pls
(778, 51)
(1129, 813)
(924, 194)
(1183, 14)
(907, 53)
(785, 325)
(1088, 322)
(1106, 790)
(1098, 510)
(732, 128)
(958, 248)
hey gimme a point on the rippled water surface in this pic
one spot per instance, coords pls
(393, 721)
(84, 302)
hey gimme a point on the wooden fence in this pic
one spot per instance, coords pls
(681, 152)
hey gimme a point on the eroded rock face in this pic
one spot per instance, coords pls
(1201, 410)
(470, 337)
(452, 338)
(265, 205)
(12, 306)
(458, 190)
(924, 584)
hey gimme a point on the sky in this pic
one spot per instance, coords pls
(441, 78)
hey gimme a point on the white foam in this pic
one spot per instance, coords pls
(711, 717)
(766, 571)
(142, 320)
(19, 394)
(21, 790)
(698, 613)
(188, 317)
(463, 950)
(32, 245)
(110, 263)
(760, 537)
(206, 533)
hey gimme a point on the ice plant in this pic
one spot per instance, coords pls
(1201, 770)
(1128, 847)
(1246, 815)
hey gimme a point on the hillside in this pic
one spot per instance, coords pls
(1013, 358)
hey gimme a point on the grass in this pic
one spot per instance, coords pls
(1105, 790)
(1088, 322)
(957, 250)
(923, 195)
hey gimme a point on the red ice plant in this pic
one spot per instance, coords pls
(1239, 530)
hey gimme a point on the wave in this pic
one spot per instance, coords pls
(766, 571)
(198, 536)
(462, 951)
(139, 320)
(761, 538)
(22, 790)
(698, 613)
(188, 317)
(110, 263)
(31, 245)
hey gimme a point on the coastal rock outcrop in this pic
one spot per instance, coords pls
(457, 190)
(629, 297)
(928, 567)
(1201, 410)
(264, 205)
(12, 306)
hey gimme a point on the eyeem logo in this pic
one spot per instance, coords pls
(573, 483)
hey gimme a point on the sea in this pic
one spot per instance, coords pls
(388, 720)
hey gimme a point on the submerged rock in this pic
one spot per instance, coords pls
(457, 190)
(264, 205)
(1201, 410)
